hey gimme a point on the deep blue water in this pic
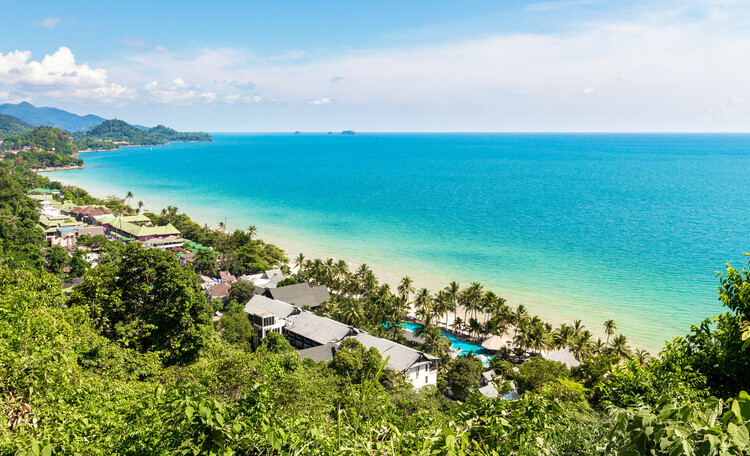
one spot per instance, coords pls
(593, 226)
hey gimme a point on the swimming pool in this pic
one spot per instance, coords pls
(456, 343)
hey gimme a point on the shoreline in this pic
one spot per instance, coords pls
(59, 168)
(139, 145)
(537, 304)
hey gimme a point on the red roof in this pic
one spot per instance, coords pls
(220, 290)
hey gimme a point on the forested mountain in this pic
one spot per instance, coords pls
(53, 117)
(119, 130)
(10, 125)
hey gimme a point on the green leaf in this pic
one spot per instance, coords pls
(741, 437)
(189, 412)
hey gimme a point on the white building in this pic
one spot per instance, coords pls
(318, 338)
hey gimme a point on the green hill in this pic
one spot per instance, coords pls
(42, 138)
(120, 131)
(10, 126)
(167, 134)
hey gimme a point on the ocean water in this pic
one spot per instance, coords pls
(631, 227)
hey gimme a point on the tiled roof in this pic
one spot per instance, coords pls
(300, 294)
(220, 290)
(122, 224)
(401, 356)
(320, 353)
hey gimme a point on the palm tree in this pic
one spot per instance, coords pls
(609, 328)
(423, 303)
(457, 325)
(642, 356)
(350, 312)
(299, 262)
(582, 346)
(329, 272)
(128, 197)
(471, 298)
(519, 317)
(405, 288)
(251, 231)
(598, 347)
(454, 293)
(222, 226)
(577, 328)
(435, 343)
(442, 305)
(522, 338)
(563, 336)
(619, 346)
(140, 205)
(396, 313)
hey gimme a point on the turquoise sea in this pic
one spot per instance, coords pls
(594, 226)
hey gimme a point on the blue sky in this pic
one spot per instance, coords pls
(564, 65)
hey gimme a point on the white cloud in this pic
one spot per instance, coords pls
(58, 75)
(242, 98)
(177, 92)
(588, 91)
(49, 22)
(320, 101)
(4, 95)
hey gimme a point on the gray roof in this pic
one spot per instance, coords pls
(319, 329)
(260, 303)
(274, 276)
(564, 356)
(319, 353)
(411, 337)
(488, 375)
(401, 356)
(300, 294)
(489, 390)
(302, 322)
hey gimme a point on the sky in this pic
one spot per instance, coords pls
(433, 66)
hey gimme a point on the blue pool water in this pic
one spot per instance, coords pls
(630, 227)
(456, 343)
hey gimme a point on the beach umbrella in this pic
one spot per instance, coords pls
(494, 343)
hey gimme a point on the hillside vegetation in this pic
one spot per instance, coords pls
(120, 131)
(42, 138)
(10, 126)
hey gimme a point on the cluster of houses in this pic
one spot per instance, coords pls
(64, 222)
(319, 338)
(15, 151)
(289, 310)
